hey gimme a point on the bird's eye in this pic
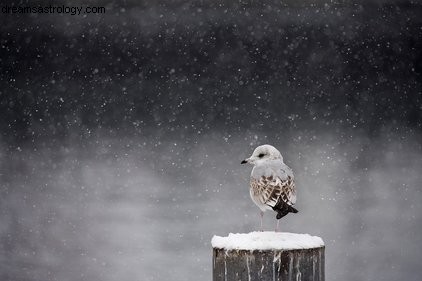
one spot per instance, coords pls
(261, 155)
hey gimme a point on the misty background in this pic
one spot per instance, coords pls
(121, 134)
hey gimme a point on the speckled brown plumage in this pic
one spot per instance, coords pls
(272, 185)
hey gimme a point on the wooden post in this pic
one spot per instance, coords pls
(262, 261)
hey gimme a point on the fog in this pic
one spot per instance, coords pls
(122, 135)
(129, 210)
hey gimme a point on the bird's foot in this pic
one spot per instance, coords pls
(277, 226)
(261, 214)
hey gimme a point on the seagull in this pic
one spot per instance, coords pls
(272, 185)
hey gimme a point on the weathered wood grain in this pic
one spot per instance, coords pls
(281, 265)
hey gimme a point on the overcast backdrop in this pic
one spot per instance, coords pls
(121, 134)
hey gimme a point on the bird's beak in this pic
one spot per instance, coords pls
(244, 161)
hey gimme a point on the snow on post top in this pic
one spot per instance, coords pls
(266, 241)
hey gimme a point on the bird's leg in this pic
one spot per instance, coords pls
(262, 217)
(277, 226)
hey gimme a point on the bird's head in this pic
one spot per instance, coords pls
(263, 153)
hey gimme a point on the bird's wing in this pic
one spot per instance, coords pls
(273, 188)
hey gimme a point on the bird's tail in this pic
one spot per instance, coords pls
(282, 209)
